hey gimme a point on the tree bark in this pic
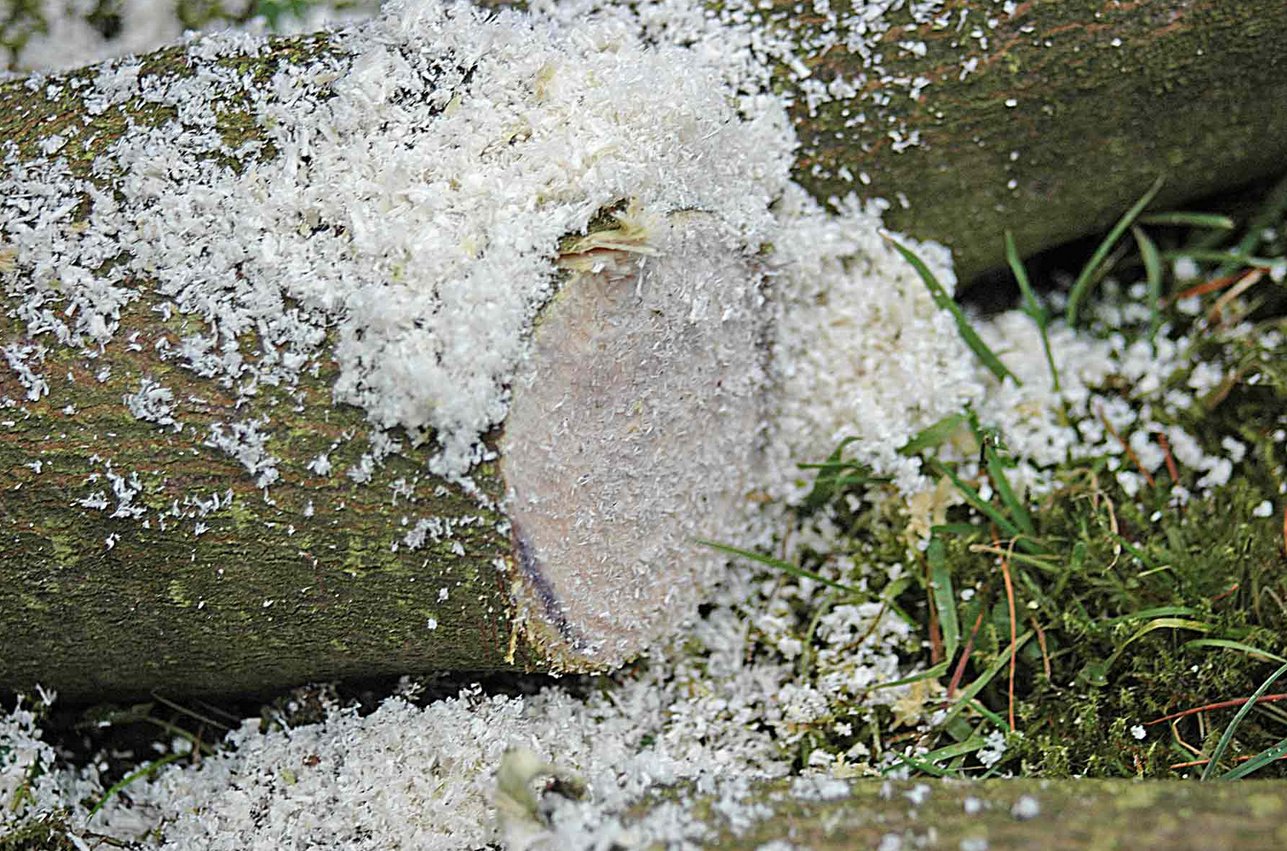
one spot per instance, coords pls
(186, 574)
(1006, 815)
(1060, 123)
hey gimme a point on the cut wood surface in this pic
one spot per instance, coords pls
(1008, 815)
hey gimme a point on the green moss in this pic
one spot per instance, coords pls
(46, 834)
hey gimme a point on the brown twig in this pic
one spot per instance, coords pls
(1172, 469)
(1211, 286)
(1041, 642)
(1232, 590)
(1126, 447)
(1205, 761)
(965, 653)
(1211, 707)
(1246, 282)
(1014, 633)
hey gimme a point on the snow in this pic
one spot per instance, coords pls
(1026, 808)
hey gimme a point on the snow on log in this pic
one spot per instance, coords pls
(435, 345)
(1046, 117)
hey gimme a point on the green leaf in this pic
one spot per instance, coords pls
(1081, 287)
(1032, 306)
(932, 435)
(1227, 737)
(944, 596)
(963, 327)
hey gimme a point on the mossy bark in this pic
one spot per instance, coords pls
(190, 578)
(309, 579)
(1070, 113)
(1026, 814)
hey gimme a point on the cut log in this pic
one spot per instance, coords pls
(140, 557)
(185, 506)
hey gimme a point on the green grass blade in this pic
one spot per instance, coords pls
(944, 596)
(970, 745)
(1081, 287)
(1032, 306)
(932, 435)
(976, 502)
(964, 530)
(921, 765)
(928, 674)
(1212, 221)
(1153, 279)
(146, 771)
(784, 566)
(1159, 612)
(1226, 644)
(986, 677)
(1096, 673)
(997, 721)
(1269, 215)
(1243, 711)
(1012, 503)
(985, 508)
(1256, 763)
(945, 302)
(927, 761)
